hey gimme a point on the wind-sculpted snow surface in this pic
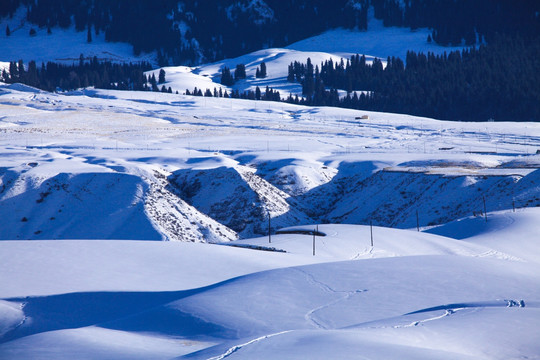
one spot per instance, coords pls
(457, 304)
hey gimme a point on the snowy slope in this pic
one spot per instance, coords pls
(86, 174)
(62, 45)
(378, 41)
(139, 156)
(439, 298)
(338, 44)
(168, 166)
(502, 231)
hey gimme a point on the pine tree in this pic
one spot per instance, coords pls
(257, 93)
(290, 75)
(21, 70)
(226, 77)
(13, 71)
(89, 34)
(240, 72)
(161, 78)
(8, 32)
(308, 86)
(261, 73)
(153, 83)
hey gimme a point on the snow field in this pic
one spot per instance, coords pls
(69, 163)
(211, 300)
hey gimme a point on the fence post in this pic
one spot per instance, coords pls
(371, 230)
(485, 210)
(269, 228)
(314, 242)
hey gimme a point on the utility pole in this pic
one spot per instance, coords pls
(269, 228)
(371, 230)
(314, 232)
(485, 211)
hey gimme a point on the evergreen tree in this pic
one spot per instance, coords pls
(257, 93)
(161, 78)
(240, 72)
(8, 32)
(308, 85)
(226, 77)
(290, 74)
(89, 34)
(261, 73)
(20, 71)
(153, 83)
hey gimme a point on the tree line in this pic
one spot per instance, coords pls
(86, 72)
(500, 81)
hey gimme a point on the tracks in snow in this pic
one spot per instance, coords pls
(235, 348)
(310, 315)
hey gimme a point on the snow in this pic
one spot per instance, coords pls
(377, 41)
(63, 45)
(418, 305)
(95, 292)
(500, 232)
(88, 177)
(64, 154)
(338, 44)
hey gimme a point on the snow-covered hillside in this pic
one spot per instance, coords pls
(412, 295)
(86, 174)
(381, 42)
(62, 45)
(135, 225)
(210, 169)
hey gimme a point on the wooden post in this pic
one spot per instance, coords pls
(371, 230)
(314, 242)
(485, 211)
(417, 221)
(269, 229)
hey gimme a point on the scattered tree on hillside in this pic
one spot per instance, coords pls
(161, 78)
(8, 32)
(226, 77)
(89, 34)
(261, 73)
(240, 72)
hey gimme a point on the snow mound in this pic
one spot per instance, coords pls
(506, 231)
